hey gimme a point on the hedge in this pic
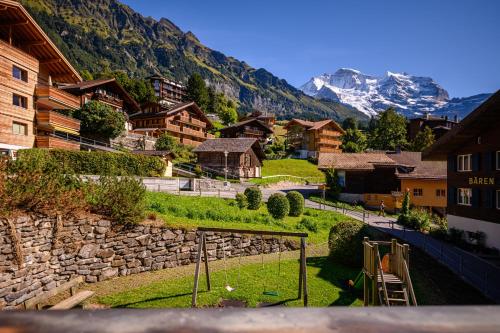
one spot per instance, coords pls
(346, 242)
(92, 163)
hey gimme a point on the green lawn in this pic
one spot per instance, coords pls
(296, 170)
(340, 204)
(326, 285)
(191, 212)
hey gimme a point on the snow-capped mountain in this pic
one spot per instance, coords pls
(410, 95)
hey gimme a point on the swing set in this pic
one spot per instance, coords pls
(202, 253)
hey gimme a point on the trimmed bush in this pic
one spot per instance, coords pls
(241, 200)
(120, 198)
(346, 242)
(417, 219)
(93, 163)
(278, 206)
(254, 197)
(296, 201)
(308, 224)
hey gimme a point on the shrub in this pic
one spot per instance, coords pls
(198, 170)
(91, 163)
(100, 119)
(254, 197)
(120, 198)
(332, 181)
(345, 242)
(278, 206)
(417, 219)
(308, 224)
(241, 200)
(296, 201)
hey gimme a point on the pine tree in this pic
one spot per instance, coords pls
(423, 140)
(197, 91)
(405, 209)
(350, 123)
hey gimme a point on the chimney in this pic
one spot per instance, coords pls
(427, 115)
(446, 118)
(398, 150)
(456, 118)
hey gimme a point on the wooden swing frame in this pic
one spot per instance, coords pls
(202, 252)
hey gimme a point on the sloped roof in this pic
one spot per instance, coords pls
(411, 166)
(231, 145)
(353, 161)
(85, 85)
(313, 125)
(249, 121)
(31, 38)
(485, 117)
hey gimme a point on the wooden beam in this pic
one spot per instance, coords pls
(49, 61)
(30, 43)
(254, 232)
(3, 8)
(6, 24)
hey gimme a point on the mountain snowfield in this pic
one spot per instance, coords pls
(410, 95)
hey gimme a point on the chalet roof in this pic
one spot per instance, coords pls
(313, 125)
(28, 36)
(83, 86)
(411, 166)
(353, 161)
(249, 121)
(167, 112)
(231, 145)
(484, 118)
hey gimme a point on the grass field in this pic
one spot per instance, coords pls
(340, 204)
(327, 286)
(191, 212)
(296, 170)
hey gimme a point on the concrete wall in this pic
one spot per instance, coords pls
(492, 230)
(53, 251)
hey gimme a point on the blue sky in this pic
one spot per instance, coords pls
(456, 42)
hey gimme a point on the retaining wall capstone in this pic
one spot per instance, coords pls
(52, 253)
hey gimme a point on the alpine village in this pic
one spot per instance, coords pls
(188, 179)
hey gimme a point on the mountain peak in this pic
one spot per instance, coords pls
(409, 94)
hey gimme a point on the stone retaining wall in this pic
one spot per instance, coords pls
(53, 252)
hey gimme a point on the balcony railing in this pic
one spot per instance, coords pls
(52, 142)
(55, 121)
(49, 97)
(117, 102)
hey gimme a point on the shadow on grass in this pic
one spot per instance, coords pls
(154, 299)
(338, 275)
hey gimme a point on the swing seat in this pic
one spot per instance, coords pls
(229, 288)
(270, 293)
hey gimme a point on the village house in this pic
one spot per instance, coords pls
(268, 119)
(168, 92)
(308, 138)
(369, 178)
(439, 125)
(107, 91)
(32, 68)
(186, 122)
(472, 152)
(241, 156)
(251, 128)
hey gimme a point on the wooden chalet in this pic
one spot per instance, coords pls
(439, 125)
(309, 139)
(168, 92)
(244, 157)
(472, 153)
(251, 128)
(107, 91)
(268, 119)
(185, 121)
(32, 68)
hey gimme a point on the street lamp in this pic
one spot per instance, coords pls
(225, 165)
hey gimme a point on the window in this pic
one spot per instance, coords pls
(498, 199)
(418, 192)
(341, 178)
(464, 162)
(440, 193)
(464, 196)
(498, 160)
(20, 101)
(19, 73)
(19, 129)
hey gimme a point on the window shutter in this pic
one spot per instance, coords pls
(452, 163)
(488, 165)
(452, 195)
(475, 197)
(488, 198)
(475, 161)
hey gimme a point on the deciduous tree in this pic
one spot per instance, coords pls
(389, 132)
